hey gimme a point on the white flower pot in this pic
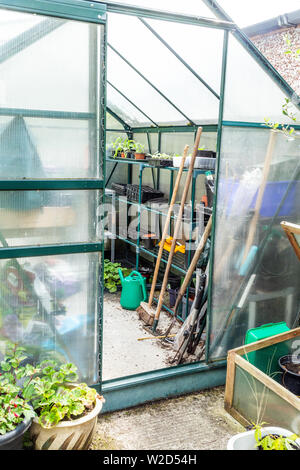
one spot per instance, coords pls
(66, 435)
(246, 440)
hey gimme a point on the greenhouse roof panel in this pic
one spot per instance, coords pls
(155, 73)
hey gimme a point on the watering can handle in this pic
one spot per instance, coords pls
(121, 275)
(142, 283)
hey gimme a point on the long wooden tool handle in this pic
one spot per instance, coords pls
(178, 221)
(194, 262)
(166, 227)
(190, 271)
(266, 169)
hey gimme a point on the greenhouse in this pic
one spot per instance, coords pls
(210, 210)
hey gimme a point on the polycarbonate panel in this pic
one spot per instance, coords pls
(13, 25)
(255, 272)
(48, 66)
(139, 92)
(186, 39)
(124, 109)
(153, 141)
(256, 402)
(49, 306)
(112, 123)
(174, 142)
(250, 93)
(48, 69)
(47, 217)
(163, 70)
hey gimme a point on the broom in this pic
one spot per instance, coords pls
(177, 227)
(145, 310)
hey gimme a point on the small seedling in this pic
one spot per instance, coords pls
(274, 441)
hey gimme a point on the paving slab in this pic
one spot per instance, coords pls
(196, 421)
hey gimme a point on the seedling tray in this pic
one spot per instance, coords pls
(160, 162)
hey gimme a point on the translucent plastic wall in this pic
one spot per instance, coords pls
(255, 270)
(51, 118)
(148, 53)
(255, 401)
(50, 135)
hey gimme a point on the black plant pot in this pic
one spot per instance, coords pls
(13, 440)
(290, 379)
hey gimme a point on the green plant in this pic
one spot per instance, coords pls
(128, 146)
(13, 406)
(162, 156)
(121, 144)
(55, 397)
(287, 107)
(273, 442)
(46, 390)
(111, 275)
(139, 148)
(118, 145)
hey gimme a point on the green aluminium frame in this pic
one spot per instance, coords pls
(77, 10)
(135, 389)
(132, 390)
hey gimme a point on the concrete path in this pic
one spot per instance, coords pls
(192, 422)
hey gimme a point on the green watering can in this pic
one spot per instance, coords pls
(133, 290)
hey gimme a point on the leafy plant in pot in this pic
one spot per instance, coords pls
(117, 147)
(259, 437)
(139, 151)
(129, 148)
(66, 411)
(16, 413)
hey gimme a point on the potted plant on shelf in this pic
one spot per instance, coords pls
(140, 151)
(66, 411)
(16, 413)
(129, 148)
(117, 147)
(264, 438)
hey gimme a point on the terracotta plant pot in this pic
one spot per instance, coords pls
(67, 435)
(140, 156)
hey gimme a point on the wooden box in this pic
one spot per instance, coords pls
(254, 396)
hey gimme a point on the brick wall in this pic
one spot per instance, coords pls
(273, 46)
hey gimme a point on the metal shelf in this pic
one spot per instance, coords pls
(132, 161)
(180, 261)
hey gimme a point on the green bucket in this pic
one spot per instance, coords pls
(266, 359)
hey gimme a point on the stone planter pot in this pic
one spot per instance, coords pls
(13, 440)
(67, 435)
(246, 440)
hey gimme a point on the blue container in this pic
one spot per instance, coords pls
(273, 194)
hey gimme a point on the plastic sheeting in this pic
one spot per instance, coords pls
(256, 272)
